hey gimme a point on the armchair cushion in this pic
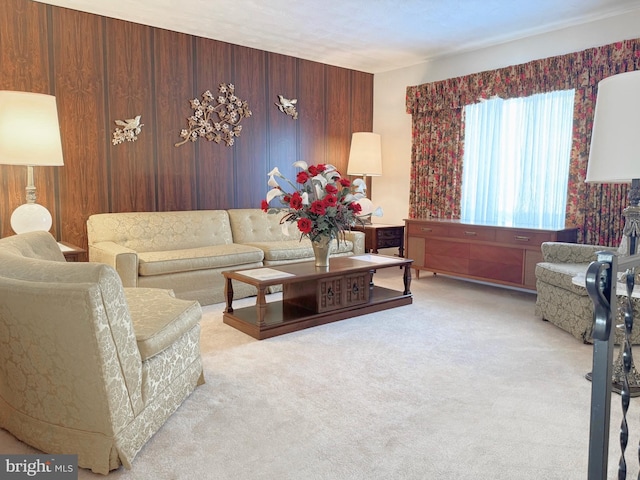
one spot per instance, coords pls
(158, 323)
(561, 275)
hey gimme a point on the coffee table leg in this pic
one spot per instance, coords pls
(261, 305)
(228, 293)
(407, 280)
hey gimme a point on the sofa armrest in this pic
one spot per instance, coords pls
(122, 259)
(561, 252)
(358, 241)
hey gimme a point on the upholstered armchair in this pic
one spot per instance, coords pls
(564, 303)
(86, 366)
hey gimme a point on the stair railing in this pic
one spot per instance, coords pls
(602, 280)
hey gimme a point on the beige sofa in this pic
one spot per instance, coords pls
(562, 302)
(187, 251)
(88, 367)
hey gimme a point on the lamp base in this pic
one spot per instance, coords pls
(30, 217)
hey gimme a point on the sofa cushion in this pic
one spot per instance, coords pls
(159, 319)
(251, 225)
(161, 231)
(296, 249)
(561, 275)
(202, 258)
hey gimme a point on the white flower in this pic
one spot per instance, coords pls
(272, 182)
(301, 164)
(275, 172)
(273, 193)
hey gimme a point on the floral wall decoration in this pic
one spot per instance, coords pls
(287, 106)
(216, 119)
(130, 130)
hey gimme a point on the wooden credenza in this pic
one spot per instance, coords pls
(502, 255)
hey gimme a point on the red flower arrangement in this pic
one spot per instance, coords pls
(322, 204)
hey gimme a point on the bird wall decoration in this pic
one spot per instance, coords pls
(288, 106)
(131, 127)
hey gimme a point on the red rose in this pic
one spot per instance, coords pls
(331, 188)
(313, 170)
(304, 225)
(322, 167)
(265, 205)
(318, 208)
(302, 177)
(330, 201)
(296, 201)
(345, 182)
(355, 207)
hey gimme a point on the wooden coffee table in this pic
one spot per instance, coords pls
(313, 295)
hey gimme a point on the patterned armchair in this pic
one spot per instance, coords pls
(562, 302)
(86, 366)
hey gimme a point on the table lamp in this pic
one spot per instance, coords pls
(30, 136)
(365, 156)
(614, 158)
(365, 159)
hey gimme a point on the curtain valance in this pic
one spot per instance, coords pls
(576, 70)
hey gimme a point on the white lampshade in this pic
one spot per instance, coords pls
(29, 129)
(614, 156)
(29, 135)
(365, 157)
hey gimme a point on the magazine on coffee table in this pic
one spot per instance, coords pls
(374, 258)
(265, 273)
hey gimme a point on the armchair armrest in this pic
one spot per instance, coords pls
(560, 252)
(358, 241)
(122, 259)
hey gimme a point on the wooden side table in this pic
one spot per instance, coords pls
(72, 253)
(378, 235)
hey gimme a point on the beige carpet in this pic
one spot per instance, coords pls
(464, 384)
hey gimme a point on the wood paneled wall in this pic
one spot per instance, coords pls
(101, 70)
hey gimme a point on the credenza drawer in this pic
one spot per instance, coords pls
(473, 233)
(421, 230)
(496, 271)
(446, 248)
(442, 263)
(523, 237)
(497, 255)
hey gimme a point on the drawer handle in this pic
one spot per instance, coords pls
(354, 288)
(426, 229)
(521, 238)
(470, 234)
(329, 293)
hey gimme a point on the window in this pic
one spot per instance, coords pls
(516, 161)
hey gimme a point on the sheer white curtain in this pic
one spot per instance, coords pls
(516, 161)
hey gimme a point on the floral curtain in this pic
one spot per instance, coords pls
(438, 134)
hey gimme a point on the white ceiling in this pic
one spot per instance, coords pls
(367, 35)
